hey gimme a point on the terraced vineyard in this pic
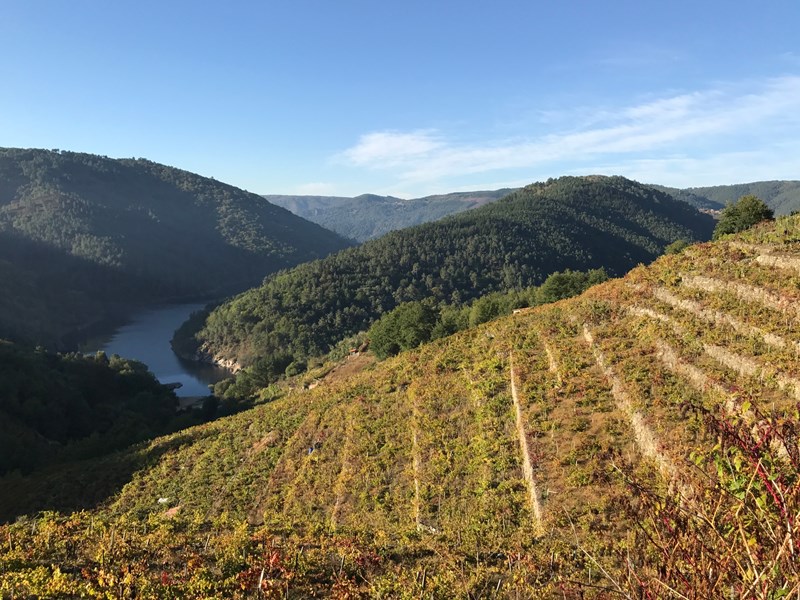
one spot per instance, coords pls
(638, 441)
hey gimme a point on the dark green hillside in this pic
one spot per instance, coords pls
(160, 231)
(570, 223)
(783, 197)
(690, 196)
(65, 406)
(369, 216)
(46, 293)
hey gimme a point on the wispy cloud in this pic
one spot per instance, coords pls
(392, 148)
(693, 126)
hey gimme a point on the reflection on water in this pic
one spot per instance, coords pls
(146, 338)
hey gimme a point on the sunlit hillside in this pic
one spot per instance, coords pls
(638, 441)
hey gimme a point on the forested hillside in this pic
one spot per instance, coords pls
(639, 441)
(783, 197)
(86, 232)
(369, 216)
(67, 406)
(575, 223)
(48, 296)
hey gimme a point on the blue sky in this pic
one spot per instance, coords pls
(410, 98)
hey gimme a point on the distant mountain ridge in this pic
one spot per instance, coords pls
(783, 197)
(573, 222)
(369, 216)
(146, 232)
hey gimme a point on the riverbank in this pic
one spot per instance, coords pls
(146, 337)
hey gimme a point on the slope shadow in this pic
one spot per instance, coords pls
(86, 484)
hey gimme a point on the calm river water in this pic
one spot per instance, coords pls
(146, 338)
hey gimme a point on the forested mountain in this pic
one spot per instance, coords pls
(575, 223)
(369, 216)
(783, 197)
(80, 233)
(639, 441)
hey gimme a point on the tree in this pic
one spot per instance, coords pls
(741, 215)
(405, 327)
(568, 283)
(486, 308)
(677, 246)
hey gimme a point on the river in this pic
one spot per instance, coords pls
(146, 338)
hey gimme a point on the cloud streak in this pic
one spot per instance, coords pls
(735, 120)
(392, 148)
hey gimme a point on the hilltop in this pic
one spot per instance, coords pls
(636, 440)
(370, 216)
(82, 236)
(577, 223)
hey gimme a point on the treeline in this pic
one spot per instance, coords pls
(131, 230)
(415, 323)
(69, 406)
(577, 223)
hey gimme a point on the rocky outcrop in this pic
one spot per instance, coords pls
(205, 355)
